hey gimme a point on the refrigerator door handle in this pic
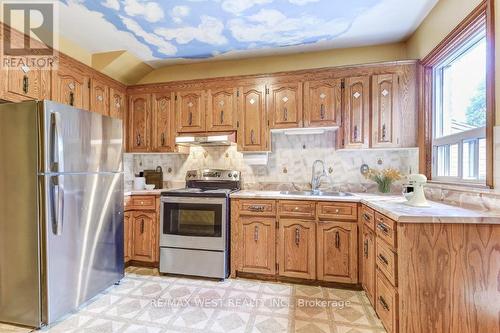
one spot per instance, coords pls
(57, 201)
(56, 144)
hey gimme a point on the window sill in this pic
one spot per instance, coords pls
(464, 187)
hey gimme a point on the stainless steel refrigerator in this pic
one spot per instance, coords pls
(61, 209)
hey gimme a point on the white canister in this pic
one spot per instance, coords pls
(139, 183)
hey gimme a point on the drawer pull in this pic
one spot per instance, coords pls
(337, 211)
(256, 233)
(256, 208)
(337, 240)
(383, 227)
(297, 236)
(383, 303)
(366, 248)
(383, 259)
(296, 209)
(142, 202)
(367, 217)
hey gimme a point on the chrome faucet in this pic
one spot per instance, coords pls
(316, 179)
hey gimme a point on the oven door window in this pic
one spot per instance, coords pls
(183, 219)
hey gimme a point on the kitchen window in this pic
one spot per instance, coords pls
(458, 106)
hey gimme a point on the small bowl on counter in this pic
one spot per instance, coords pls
(149, 187)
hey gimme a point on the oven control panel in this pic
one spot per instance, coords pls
(213, 174)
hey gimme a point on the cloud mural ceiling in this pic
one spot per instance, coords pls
(173, 30)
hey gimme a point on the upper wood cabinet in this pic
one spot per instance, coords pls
(253, 129)
(117, 103)
(357, 112)
(71, 87)
(296, 248)
(285, 105)
(25, 83)
(322, 103)
(163, 122)
(222, 109)
(139, 117)
(257, 237)
(99, 97)
(191, 110)
(385, 110)
(337, 252)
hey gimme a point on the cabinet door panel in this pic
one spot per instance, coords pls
(337, 252)
(385, 111)
(99, 97)
(163, 122)
(71, 88)
(140, 123)
(285, 105)
(296, 249)
(357, 112)
(144, 237)
(128, 229)
(117, 103)
(323, 103)
(368, 263)
(253, 130)
(191, 111)
(23, 83)
(222, 110)
(258, 240)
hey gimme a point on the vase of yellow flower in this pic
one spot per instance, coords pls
(384, 178)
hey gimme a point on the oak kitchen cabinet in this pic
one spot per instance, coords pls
(253, 126)
(142, 229)
(323, 103)
(284, 105)
(25, 83)
(367, 263)
(99, 97)
(71, 87)
(139, 119)
(357, 112)
(258, 244)
(191, 110)
(117, 104)
(222, 104)
(163, 120)
(385, 111)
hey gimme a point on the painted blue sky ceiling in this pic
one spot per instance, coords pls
(206, 28)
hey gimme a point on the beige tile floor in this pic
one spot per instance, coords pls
(145, 302)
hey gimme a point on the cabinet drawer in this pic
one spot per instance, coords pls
(258, 207)
(337, 211)
(386, 303)
(386, 261)
(302, 209)
(386, 229)
(143, 202)
(368, 217)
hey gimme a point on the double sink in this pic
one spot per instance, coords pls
(316, 193)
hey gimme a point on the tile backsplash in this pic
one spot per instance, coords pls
(289, 162)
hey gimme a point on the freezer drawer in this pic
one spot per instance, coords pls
(194, 262)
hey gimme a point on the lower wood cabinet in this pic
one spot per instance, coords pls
(257, 236)
(128, 232)
(144, 235)
(368, 263)
(337, 252)
(296, 248)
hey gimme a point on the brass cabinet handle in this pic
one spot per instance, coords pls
(297, 236)
(384, 133)
(256, 208)
(296, 209)
(142, 226)
(337, 211)
(383, 259)
(383, 303)
(366, 248)
(367, 217)
(337, 239)
(138, 140)
(190, 118)
(26, 83)
(222, 116)
(256, 233)
(383, 227)
(71, 98)
(252, 137)
(322, 111)
(285, 114)
(163, 139)
(355, 134)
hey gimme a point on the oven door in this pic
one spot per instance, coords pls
(193, 223)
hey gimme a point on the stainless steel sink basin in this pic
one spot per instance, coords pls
(316, 193)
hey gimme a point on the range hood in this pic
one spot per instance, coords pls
(206, 139)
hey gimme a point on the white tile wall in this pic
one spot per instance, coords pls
(290, 161)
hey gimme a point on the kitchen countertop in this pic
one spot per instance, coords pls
(392, 206)
(144, 192)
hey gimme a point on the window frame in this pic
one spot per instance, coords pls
(456, 43)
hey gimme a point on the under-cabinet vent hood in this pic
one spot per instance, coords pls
(206, 139)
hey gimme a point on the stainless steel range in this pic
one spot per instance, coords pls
(194, 231)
